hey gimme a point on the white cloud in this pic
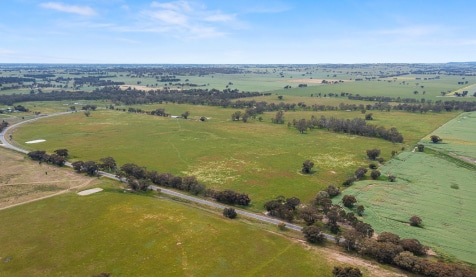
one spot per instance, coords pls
(186, 20)
(410, 31)
(4, 51)
(219, 17)
(80, 10)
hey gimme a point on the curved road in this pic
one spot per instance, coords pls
(6, 144)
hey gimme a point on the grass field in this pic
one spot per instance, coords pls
(258, 158)
(458, 136)
(133, 235)
(435, 189)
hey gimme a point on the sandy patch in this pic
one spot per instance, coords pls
(35, 141)
(89, 191)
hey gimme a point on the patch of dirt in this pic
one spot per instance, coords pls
(32, 181)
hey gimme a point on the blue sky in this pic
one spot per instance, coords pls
(237, 31)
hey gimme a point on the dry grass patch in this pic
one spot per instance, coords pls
(31, 181)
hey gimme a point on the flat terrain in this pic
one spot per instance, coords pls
(258, 158)
(126, 234)
(23, 180)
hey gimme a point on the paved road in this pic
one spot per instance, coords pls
(6, 144)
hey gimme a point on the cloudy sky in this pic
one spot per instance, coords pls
(237, 31)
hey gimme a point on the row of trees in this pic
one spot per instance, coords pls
(58, 158)
(139, 179)
(356, 126)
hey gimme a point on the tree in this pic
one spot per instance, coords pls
(339, 271)
(91, 168)
(321, 197)
(332, 191)
(301, 125)
(414, 246)
(360, 210)
(421, 147)
(388, 237)
(279, 118)
(313, 234)
(62, 152)
(415, 221)
(307, 166)
(435, 139)
(349, 201)
(87, 113)
(293, 202)
(360, 172)
(405, 260)
(108, 163)
(229, 212)
(369, 116)
(236, 116)
(374, 174)
(309, 214)
(373, 153)
(185, 114)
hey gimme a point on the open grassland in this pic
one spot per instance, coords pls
(437, 190)
(23, 180)
(403, 87)
(459, 136)
(258, 158)
(134, 235)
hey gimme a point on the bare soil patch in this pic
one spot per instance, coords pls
(23, 180)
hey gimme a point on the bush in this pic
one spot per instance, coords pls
(415, 221)
(229, 212)
(346, 272)
(375, 174)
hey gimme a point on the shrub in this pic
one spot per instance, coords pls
(229, 212)
(375, 174)
(415, 221)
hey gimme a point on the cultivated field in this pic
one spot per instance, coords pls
(459, 136)
(437, 190)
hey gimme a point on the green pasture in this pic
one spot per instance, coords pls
(459, 136)
(403, 87)
(258, 158)
(133, 235)
(437, 190)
